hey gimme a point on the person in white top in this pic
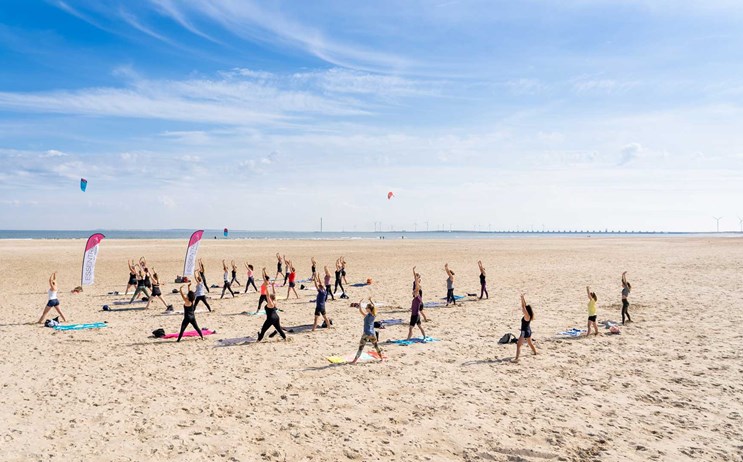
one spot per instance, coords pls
(53, 301)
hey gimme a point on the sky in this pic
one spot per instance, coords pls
(267, 115)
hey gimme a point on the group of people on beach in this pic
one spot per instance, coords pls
(145, 281)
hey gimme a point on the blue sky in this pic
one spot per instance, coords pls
(267, 115)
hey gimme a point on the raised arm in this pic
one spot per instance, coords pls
(53, 281)
(327, 272)
(264, 274)
(588, 292)
(415, 275)
(316, 280)
(523, 304)
(313, 261)
(183, 296)
(482, 269)
(448, 271)
(624, 279)
(130, 265)
(224, 265)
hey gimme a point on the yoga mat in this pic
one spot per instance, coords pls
(235, 341)
(171, 313)
(126, 302)
(571, 333)
(92, 325)
(406, 342)
(190, 333)
(456, 297)
(391, 322)
(433, 304)
(364, 358)
(134, 308)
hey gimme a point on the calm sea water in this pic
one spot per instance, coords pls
(211, 234)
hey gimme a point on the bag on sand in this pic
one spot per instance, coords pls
(159, 332)
(507, 338)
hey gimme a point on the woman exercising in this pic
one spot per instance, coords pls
(415, 319)
(132, 284)
(328, 291)
(314, 267)
(203, 277)
(322, 296)
(141, 288)
(234, 274)
(369, 335)
(264, 291)
(450, 286)
(279, 267)
(251, 279)
(626, 288)
(417, 280)
(226, 285)
(53, 301)
(338, 281)
(483, 285)
(528, 317)
(592, 299)
(156, 293)
(201, 291)
(189, 315)
(272, 317)
(292, 279)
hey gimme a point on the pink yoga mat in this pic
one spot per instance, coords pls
(190, 333)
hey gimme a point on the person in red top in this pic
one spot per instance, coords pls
(292, 279)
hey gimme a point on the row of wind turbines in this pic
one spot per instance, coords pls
(717, 219)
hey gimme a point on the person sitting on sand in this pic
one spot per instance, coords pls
(322, 296)
(52, 300)
(369, 314)
(251, 279)
(592, 299)
(264, 291)
(449, 286)
(234, 274)
(272, 317)
(626, 288)
(417, 280)
(328, 291)
(141, 287)
(226, 285)
(156, 292)
(201, 291)
(202, 275)
(483, 284)
(415, 306)
(292, 280)
(189, 312)
(528, 316)
(132, 284)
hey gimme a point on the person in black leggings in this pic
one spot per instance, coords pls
(288, 264)
(338, 281)
(189, 317)
(251, 279)
(264, 290)
(234, 274)
(201, 273)
(626, 288)
(227, 285)
(200, 293)
(272, 317)
(483, 283)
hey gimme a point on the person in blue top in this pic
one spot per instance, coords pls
(369, 314)
(322, 296)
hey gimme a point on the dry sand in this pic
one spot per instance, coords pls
(669, 388)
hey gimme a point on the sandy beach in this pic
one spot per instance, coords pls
(669, 388)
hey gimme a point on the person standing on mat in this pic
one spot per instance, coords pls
(292, 278)
(132, 284)
(141, 288)
(201, 291)
(189, 312)
(251, 279)
(264, 291)
(203, 277)
(156, 293)
(343, 270)
(314, 268)
(415, 319)
(592, 299)
(322, 296)
(328, 291)
(417, 280)
(626, 288)
(279, 267)
(483, 284)
(226, 285)
(234, 274)
(369, 314)
(528, 317)
(52, 300)
(450, 286)
(288, 265)
(272, 317)
(338, 281)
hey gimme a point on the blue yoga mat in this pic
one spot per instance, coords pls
(405, 342)
(456, 297)
(92, 325)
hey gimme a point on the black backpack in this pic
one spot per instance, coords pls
(159, 333)
(507, 338)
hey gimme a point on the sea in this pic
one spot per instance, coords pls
(335, 235)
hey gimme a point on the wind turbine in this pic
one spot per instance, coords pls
(718, 222)
(740, 220)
